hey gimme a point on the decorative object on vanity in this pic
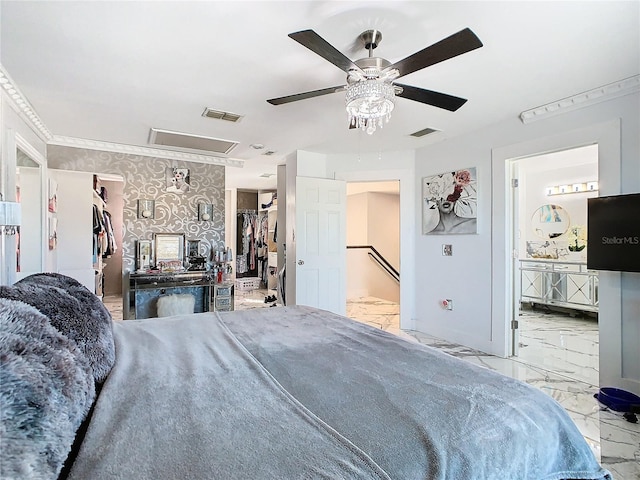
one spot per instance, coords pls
(450, 202)
(144, 255)
(146, 209)
(549, 249)
(221, 259)
(371, 87)
(577, 238)
(178, 180)
(550, 221)
(205, 212)
(196, 262)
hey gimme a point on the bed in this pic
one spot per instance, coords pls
(276, 393)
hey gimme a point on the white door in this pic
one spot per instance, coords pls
(321, 243)
(73, 251)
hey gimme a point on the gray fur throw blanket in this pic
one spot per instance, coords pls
(75, 311)
(46, 391)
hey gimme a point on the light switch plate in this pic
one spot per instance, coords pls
(447, 250)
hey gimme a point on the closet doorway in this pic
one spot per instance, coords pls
(555, 297)
(373, 253)
(108, 200)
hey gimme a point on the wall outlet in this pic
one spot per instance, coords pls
(447, 250)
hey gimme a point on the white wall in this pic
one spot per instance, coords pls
(357, 216)
(373, 219)
(478, 275)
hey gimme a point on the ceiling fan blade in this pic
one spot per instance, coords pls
(437, 99)
(305, 95)
(462, 42)
(319, 45)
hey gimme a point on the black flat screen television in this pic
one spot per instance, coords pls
(613, 233)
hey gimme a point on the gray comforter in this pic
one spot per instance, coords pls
(186, 401)
(298, 393)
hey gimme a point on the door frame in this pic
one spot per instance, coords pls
(408, 222)
(607, 136)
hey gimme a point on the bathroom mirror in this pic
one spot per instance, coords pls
(550, 221)
(29, 240)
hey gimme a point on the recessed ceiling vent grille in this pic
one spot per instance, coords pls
(179, 140)
(269, 152)
(422, 133)
(220, 115)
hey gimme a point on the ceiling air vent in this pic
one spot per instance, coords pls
(269, 152)
(167, 138)
(220, 115)
(422, 133)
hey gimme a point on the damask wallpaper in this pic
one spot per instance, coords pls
(146, 178)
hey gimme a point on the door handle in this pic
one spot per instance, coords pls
(300, 262)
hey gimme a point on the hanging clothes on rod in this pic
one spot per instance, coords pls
(247, 257)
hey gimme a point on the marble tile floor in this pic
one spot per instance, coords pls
(114, 305)
(559, 342)
(249, 299)
(559, 355)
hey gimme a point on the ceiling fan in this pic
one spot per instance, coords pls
(371, 87)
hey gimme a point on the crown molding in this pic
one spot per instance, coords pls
(144, 151)
(28, 113)
(22, 105)
(584, 99)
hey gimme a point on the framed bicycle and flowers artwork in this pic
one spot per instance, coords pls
(450, 203)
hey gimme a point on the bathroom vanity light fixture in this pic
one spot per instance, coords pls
(573, 188)
(205, 212)
(146, 209)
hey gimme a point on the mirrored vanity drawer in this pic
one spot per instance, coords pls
(222, 297)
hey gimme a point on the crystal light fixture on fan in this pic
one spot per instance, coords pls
(371, 94)
(371, 90)
(369, 104)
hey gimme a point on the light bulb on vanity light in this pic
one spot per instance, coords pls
(206, 216)
(146, 213)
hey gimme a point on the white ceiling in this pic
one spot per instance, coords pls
(111, 71)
